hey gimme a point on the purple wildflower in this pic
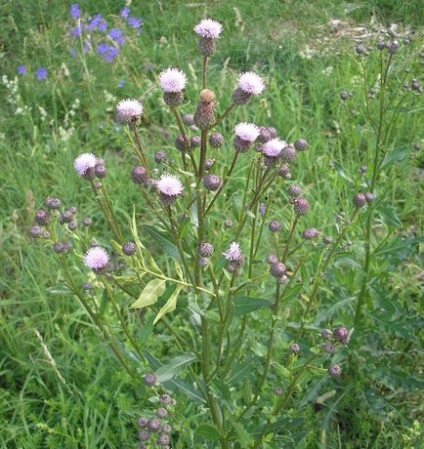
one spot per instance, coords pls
(22, 70)
(41, 73)
(107, 52)
(116, 35)
(97, 23)
(96, 258)
(74, 11)
(134, 22)
(125, 12)
(208, 28)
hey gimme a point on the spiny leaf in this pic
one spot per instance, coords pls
(150, 294)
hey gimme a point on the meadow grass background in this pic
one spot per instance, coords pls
(60, 386)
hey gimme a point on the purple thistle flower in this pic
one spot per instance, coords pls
(85, 164)
(172, 80)
(74, 11)
(22, 70)
(233, 253)
(150, 379)
(334, 371)
(116, 35)
(96, 258)
(125, 12)
(273, 147)
(251, 83)
(247, 132)
(41, 73)
(128, 111)
(208, 28)
(170, 188)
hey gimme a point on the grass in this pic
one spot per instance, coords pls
(60, 383)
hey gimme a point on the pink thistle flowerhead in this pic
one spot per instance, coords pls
(208, 28)
(233, 253)
(85, 165)
(273, 147)
(128, 112)
(96, 258)
(251, 83)
(169, 187)
(247, 131)
(173, 82)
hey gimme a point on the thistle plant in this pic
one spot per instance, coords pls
(215, 257)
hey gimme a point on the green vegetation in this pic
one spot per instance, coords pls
(61, 381)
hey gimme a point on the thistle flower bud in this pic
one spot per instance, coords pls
(271, 259)
(61, 247)
(100, 171)
(72, 225)
(52, 203)
(188, 119)
(205, 249)
(359, 200)
(129, 248)
(277, 269)
(153, 425)
(212, 182)
(216, 140)
(369, 197)
(139, 175)
(160, 156)
(393, 47)
(328, 348)
(182, 144)
(36, 232)
(274, 226)
(228, 224)
(284, 171)
(294, 348)
(87, 286)
(344, 95)
(209, 163)
(195, 142)
(301, 144)
(150, 379)
(310, 233)
(204, 116)
(203, 262)
(295, 191)
(66, 217)
(326, 334)
(87, 222)
(301, 206)
(42, 217)
(327, 240)
(341, 334)
(334, 371)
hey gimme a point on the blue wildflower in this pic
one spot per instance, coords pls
(121, 83)
(73, 52)
(116, 35)
(22, 69)
(41, 73)
(74, 11)
(134, 22)
(107, 52)
(76, 31)
(125, 12)
(97, 23)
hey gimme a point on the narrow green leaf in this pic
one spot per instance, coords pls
(246, 304)
(170, 304)
(164, 241)
(150, 294)
(394, 156)
(208, 432)
(244, 439)
(174, 366)
(290, 293)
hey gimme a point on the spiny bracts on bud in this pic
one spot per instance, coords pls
(204, 117)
